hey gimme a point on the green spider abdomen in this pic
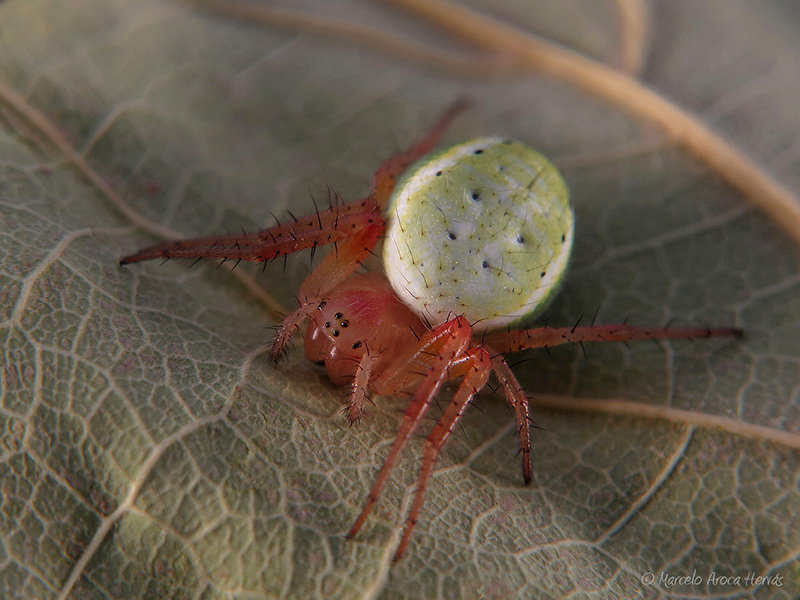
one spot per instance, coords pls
(482, 229)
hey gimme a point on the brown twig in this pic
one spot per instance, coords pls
(377, 40)
(634, 24)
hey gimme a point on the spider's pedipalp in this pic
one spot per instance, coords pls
(359, 393)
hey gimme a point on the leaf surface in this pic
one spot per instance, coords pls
(150, 449)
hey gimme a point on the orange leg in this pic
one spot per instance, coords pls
(544, 337)
(478, 366)
(387, 174)
(439, 347)
(324, 227)
(519, 400)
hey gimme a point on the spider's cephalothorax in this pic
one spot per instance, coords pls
(343, 329)
(477, 237)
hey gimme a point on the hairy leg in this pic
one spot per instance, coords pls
(324, 227)
(388, 173)
(438, 348)
(518, 399)
(476, 366)
(544, 337)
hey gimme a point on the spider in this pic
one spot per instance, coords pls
(477, 237)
